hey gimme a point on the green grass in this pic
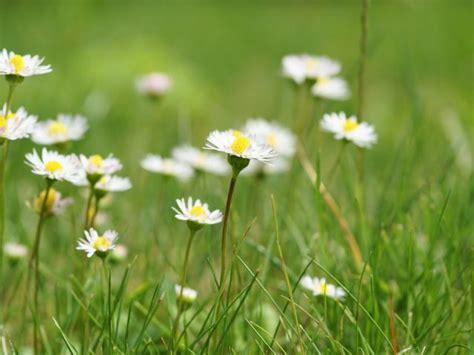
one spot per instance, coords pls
(414, 229)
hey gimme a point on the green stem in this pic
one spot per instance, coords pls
(182, 284)
(107, 304)
(88, 207)
(3, 161)
(228, 205)
(96, 210)
(34, 261)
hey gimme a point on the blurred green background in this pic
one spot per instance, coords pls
(225, 60)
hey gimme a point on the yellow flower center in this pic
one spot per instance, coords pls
(18, 63)
(197, 211)
(237, 134)
(57, 128)
(49, 201)
(101, 244)
(240, 144)
(3, 119)
(271, 139)
(311, 64)
(323, 288)
(322, 80)
(350, 125)
(96, 160)
(53, 166)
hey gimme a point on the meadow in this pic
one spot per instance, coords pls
(387, 230)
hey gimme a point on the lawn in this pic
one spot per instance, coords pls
(389, 227)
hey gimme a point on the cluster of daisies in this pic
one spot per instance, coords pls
(258, 148)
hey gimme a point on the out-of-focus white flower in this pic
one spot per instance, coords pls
(196, 212)
(166, 166)
(119, 253)
(110, 183)
(236, 143)
(96, 165)
(255, 168)
(281, 139)
(63, 129)
(16, 125)
(185, 294)
(331, 88)
(54, 205)
(55, 166)
(347, 128)
(15, 251)
(321, 287)
(97, 244)
(154, 85)
(304, 66)
(22, 65)
(202, 161)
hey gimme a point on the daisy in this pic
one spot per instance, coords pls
(18, 65)
(63, 129)
(154, 85)
(196, 213)
(16, 125)
(281, 139)
(110, 183)
(255, 168)
(236, 143)
(301, 67)
(15, 251)
(55, 204)
(347, 128)
(331, 88)
(321, 287)
(201, 161)
(96, 166)
(166, 166)
(185, 294)
(55, 166)
(97, 244)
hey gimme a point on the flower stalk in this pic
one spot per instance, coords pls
(34, 260)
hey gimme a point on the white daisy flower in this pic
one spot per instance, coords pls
(16, 125)
(22, 65)
(347, 128)
(55, 204)
(320, 66)
(110, 183)
(281, 139)
(98, 166)
(97, 244)
(278, 166)
(196, 212)
(154, 85)
(331, 88)
(166, 166)
(304, 66)
(55, 166)
(236, 143)
(186, 295)
(15, 251)
(321, 287)
(202, 161)
(63, 129)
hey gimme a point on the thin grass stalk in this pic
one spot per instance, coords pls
(34, 261)
(182, 281)
(287, 279)
(361, 87)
